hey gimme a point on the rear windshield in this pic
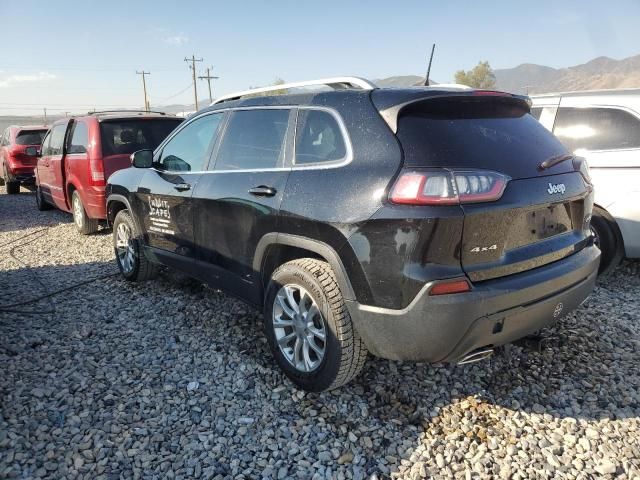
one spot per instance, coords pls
(30, 137)
(128, 136)
(474, 133)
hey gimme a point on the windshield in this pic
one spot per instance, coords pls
(30, 137)
(123, 137)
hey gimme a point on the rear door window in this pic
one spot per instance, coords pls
(189, 149)
(30, 137)
(254, 140)
(318, 138)
(536, 112)
(123, 137)
(56, 144)
(597, 128)
(79, 138)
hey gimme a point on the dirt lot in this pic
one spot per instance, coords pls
(171, 379)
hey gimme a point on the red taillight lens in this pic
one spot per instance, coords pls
(449, 287)
(445, 187)
(96, 172)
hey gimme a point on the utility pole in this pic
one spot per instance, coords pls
(144, 87)
(426, 80)
(193, 61)
(208, 78)
(45, 115)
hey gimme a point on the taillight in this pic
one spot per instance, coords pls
(580, 164)
(448, 187)
(96, 172)
(448, 287)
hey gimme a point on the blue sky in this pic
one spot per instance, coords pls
(71, 55)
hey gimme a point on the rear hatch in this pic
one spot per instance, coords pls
(121, 137)
(542, 214)
(25, 139)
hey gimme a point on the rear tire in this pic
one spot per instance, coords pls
(84, 224)
(128, 247)
(609, 239)
(13, 187)
(342, 352)
(40, 201)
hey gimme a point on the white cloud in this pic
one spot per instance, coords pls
(177, 40)
(17, 79)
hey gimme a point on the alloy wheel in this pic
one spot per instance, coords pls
(299, 328)
(78, 211)
(124, 248)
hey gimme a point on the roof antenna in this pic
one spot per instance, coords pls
(426, 80)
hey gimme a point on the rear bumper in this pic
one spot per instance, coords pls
(22, 174)
(95, 202)
(496, 312)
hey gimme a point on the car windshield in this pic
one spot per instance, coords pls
(30, 137)
(123, 137)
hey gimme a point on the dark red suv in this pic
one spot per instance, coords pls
(79, 154)
(17, 160)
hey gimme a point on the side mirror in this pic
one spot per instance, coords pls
(142, 159)
(32, 151)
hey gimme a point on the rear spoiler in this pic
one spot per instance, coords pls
(390, 108)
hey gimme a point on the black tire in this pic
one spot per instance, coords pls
(142, 269)
(40, 201)
(13, 187)
(344, 351)
(84, 224)
(609, 239)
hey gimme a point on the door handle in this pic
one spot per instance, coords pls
(181, 187)
(262, 191)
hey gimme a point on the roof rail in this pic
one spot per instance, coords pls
(102, 112)
(337, 83)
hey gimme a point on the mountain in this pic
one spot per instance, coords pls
(599, 73)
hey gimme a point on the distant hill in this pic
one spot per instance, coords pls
(601, 72)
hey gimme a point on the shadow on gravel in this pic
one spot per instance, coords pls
(14, 208)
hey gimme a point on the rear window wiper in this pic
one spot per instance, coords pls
(550, 162)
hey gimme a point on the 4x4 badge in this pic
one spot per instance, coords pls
(484, 249)
(557, 188)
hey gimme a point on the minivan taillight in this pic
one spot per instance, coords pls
(448, 187)
(96, 172)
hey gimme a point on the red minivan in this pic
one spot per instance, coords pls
(78, 155)
(17, 160)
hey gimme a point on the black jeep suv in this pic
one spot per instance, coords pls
(429, 224)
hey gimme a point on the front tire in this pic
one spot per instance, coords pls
(127, 244)
(608, 239)
(40, 201)
(309, 328)
(84, 224)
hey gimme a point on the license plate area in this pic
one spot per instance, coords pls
(539, 224)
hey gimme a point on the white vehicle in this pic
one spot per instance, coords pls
(604, 127)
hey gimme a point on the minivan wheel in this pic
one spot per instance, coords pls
(40, 201)
(84, 224)
(127, 245)
(309, 328)
(608, 239)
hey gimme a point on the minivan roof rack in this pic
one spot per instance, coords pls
(337, 83)
(107, 112)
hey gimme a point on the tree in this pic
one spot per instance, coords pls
(481, 76)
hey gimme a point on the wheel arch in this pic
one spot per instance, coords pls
(612, 221)
(116, 203)
(274, 249)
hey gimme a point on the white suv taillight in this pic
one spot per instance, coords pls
(448, 187)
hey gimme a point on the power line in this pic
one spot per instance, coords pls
(193, 61)
(164, 99)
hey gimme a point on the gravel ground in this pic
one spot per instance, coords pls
(170, 379)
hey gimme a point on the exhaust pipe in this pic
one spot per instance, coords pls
(476, 356)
